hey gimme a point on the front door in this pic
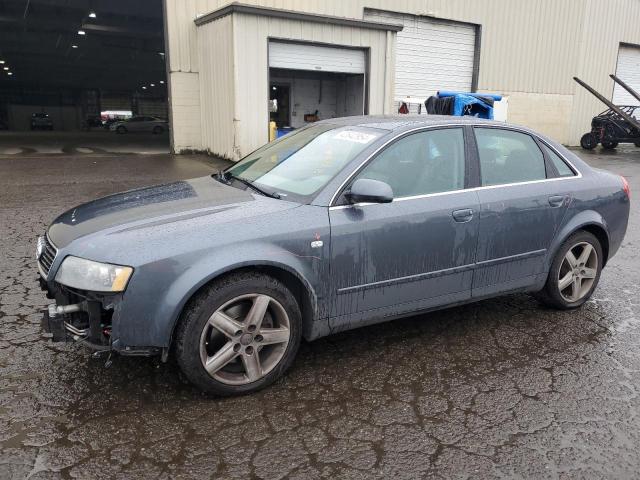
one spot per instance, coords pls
(416, 252)
(520, 211)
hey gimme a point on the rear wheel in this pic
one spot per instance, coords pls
(589, 141)
(637, 144)
(121, 129)
(609, 144)
(239, 335)
(574, 273)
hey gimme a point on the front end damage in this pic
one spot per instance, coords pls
(87, 318)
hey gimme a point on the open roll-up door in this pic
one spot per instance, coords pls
(298, 56)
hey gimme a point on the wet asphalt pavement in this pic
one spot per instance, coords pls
(502, 388)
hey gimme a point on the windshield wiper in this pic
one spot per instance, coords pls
(226, 176)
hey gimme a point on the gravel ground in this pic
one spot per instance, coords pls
(501, 388)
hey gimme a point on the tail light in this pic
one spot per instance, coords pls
(625, 187)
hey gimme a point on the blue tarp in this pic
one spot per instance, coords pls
(469, 105)
(448, 93)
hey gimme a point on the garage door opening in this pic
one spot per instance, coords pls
(308, 83)
(74, 67)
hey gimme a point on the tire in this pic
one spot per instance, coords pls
(589, 141)
(157, 130)
(637, 144)
(564, 298)
(240, 360)
(609, 144)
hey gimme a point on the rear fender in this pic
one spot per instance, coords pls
(578, 221)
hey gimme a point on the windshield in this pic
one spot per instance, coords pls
(301, 163)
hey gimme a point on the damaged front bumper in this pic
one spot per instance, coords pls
(86, 318)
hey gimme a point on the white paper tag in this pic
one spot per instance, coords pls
(353, 136)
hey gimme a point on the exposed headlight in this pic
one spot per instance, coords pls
(94, 276)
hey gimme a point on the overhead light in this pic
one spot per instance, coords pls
(161, 54)
(274, 88)
(6, 68)
(9, 73)
(152, 84)
(144, 88)
(92, 14)
(74, 46)
(162, 82)
(81, 32)
(1, 62)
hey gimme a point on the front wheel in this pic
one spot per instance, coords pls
(121, 129)
(609, 144)
(574, 273)
(589, 141)
(239, 334)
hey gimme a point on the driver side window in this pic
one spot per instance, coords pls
(421, 163)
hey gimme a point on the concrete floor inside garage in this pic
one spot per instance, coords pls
(500, 389)
(97, 141)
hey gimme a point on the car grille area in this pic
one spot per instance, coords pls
(47, 256)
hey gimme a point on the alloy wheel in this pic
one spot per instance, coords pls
(245, 339)
(578, 271)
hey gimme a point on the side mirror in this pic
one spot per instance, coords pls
(365, 190)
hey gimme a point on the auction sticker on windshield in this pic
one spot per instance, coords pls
(354, 136)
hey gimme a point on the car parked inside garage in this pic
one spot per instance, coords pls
(339, 225)
(41, 121)
(140, 123)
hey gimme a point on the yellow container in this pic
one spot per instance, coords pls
(272, 131)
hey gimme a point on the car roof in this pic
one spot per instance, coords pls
(401, 122)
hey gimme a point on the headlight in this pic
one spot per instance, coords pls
(95, 276)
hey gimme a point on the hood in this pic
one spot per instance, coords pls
(157, 205)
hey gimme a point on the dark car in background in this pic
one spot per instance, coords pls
(41, 121)
(342, 224)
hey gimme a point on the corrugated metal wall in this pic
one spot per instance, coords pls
(217, 86)
(529, 49)
(608, 24)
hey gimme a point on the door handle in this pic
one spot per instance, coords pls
(462, 216)
(556, 200)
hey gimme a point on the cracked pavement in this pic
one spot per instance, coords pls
(501, 388)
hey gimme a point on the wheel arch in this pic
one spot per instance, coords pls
(601, 234)
(590, 221)
(292, 279)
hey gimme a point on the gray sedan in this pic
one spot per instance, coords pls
(140, 123)
(339, 225)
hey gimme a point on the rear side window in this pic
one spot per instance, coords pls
(562, 168)
(508, 157)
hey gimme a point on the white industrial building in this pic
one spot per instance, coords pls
(327, 58)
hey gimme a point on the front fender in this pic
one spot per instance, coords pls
(154, 327)
(578, 221)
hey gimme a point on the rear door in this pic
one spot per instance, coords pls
(520, 210)
(416, 252)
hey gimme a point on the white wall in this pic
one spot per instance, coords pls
(305, 97)
(184, 97)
